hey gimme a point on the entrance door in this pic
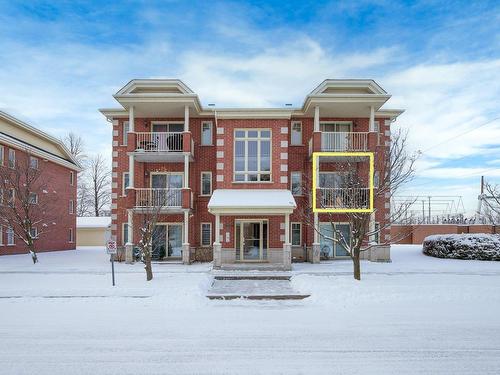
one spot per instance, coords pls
(251, 240)
(167, 241)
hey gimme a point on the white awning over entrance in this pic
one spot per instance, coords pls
(251, 202)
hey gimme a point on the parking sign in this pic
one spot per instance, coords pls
(111, 247)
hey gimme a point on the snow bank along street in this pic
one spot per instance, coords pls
(415, 315)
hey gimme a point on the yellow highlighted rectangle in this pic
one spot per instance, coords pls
(315, 171)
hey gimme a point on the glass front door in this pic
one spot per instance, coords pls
(251, 240)
(167, 241)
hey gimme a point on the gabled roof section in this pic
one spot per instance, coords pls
(348, 86)
(154, 87)
(22, 135)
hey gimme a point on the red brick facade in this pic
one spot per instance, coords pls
(59, 180)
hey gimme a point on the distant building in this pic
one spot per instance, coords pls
(18, 138)
(93, 231)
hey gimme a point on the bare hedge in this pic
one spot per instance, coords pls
(463, 246)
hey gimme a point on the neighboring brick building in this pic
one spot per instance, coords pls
(17, 139)
(231, 171)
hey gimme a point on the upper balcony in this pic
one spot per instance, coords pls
(163, 146)
(344, 141)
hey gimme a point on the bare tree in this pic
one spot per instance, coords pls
(491, 203)
(153, 202)
(28, 206)
(83, 198)
(396, 167)
(74, 143)
(99, 180)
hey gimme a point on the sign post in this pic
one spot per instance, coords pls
(111, 250)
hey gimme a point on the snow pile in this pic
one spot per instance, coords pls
(463, 246)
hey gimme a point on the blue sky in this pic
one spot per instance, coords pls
(60, 61)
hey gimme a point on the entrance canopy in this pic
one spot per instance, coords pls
(251, 202)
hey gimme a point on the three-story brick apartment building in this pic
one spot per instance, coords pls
(236, 177)
(19, 141)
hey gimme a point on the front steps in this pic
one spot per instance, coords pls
(253, 286)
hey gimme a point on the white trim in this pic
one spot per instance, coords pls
(125, 133)
(201, 183)
(71, 233)
(292, 132)
(125, 224)
(11, 238)
(259, 139)
(71, 207)
(291, 232)
(2, 155)
(201, 234)
(300, 182)
(124, 188)
(1, 235)
(72, 178)
(211, 133)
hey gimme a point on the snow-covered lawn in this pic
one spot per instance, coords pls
(415, 315)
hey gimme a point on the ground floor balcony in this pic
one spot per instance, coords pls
(343, 198)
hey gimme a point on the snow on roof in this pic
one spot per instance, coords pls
(93, 222)
(252, 198)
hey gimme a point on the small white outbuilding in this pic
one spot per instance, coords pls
(92, 231)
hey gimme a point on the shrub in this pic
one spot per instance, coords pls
(463, 246)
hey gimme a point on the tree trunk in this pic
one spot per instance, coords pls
(357, 264)
(147, 266)
(31, 249)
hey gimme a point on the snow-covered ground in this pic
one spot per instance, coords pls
(414, 315)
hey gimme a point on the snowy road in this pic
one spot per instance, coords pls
(417, 315)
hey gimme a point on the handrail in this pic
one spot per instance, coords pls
(159, 141)
(158, 198)
(344, 198)
(344, 141)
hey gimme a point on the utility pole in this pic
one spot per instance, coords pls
(429, 209)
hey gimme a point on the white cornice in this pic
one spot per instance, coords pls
(40, 134)
(5, 139)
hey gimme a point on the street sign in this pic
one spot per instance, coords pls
(111, 247)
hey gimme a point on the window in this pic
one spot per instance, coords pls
(33, 162)
(335, 127)
(125, 234)
(11, 196)
(126, 128)
(296, 137)
(376, 179)
(296, 178)
(33, 198)
(1, 235)
(10, 236)
(1, 155)
(167, 127)
(70, 235)
(252, 155)
(71, 178)
(206, 133)
(376, 236)
(12, 158)
(206, 183)
(71, 206)
(296, 234)
(34, 233)
(125, 183)
(376, 126)
(206, 234)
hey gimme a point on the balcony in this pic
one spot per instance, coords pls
(344, 141)
(163, 146)
(161, 199)
(343, 198)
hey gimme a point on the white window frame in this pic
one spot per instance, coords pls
(246, 172)
(35, 201)
(125, 240)
(36, 233)
(211, 133)
(125, 130)
(124, 186)
(323, 123)
(72, 178)
(71, 206)
(11, 240)
(1, 235)
(201, 234)
(2, 158)
(71, 238)
(376, 179)
(292, 132)
(33, 159)
(201, 183)
(12, 158)
(291, 232)
(300, 182)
